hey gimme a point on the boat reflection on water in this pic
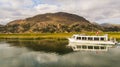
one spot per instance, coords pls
(91, 43)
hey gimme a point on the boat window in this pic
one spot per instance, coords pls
(90, 38)
(78, 46)
(84, 47)
(96, 38)
(79, 38)
(90, 47)
(102, 39)
(103, 44)
(84, 38)
(96, 47)
(103, 47)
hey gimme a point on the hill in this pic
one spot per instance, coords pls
(111, 27)
(51, 23)
(2, 28)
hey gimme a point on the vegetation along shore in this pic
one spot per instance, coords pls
(38, 36)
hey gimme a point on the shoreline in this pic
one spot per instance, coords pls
(39, 36)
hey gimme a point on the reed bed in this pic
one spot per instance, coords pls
(54, 35)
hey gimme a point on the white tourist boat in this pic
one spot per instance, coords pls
(91, 43)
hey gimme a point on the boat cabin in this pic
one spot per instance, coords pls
(91, 43)
(90, 38)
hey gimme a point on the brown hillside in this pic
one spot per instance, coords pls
(51, 22)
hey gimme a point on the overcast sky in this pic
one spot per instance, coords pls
(94, 10)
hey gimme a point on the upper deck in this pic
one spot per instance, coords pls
(90, 38)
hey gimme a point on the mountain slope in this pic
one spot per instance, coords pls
(51, 22)
(2, 29)
(111, 27)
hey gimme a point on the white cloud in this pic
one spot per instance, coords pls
(5, 21)
(110, 20)
(94, 10)
(19, 9)
(15, 3)
(13, 9)
(44, 8)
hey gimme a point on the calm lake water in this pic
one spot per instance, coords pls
(18, 54)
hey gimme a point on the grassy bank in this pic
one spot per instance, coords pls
(53, 35)
(36, 36)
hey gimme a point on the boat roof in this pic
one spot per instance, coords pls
(83, 35)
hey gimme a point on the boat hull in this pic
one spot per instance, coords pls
(91, 43)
